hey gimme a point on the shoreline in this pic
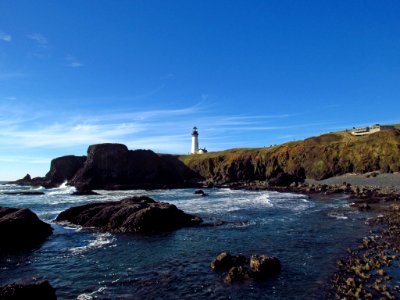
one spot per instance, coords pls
(366, 271)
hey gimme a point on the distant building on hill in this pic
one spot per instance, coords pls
(195, 143)
(369, 129)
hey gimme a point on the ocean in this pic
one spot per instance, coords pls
(307, 235)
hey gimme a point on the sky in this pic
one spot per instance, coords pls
(143, 73)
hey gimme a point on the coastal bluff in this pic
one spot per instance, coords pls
(318, 158)
(113, 166)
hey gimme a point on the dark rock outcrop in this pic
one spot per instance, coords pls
(64, 168)
(21, 229)
(24, 193)
(225, 261)
(236, 274)
(263, 266)
(61, 169)
(85, 193)
(41, 290)
(200, 192)
(135, 214)
(113, 166)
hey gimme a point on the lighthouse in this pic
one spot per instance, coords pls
(195, 141)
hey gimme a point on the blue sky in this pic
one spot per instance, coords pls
(143, 73)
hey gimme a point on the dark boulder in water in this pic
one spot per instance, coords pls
(21, 229)
(200, 192)
(236, 274)
(225, 261)
(135, 214)
(24, 193)
(41, 290)
(263, 266)
(85, 193)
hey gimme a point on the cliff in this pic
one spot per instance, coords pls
(113, 166)
(61, 169)
(318, 158)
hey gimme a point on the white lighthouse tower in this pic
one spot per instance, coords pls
(195, 141)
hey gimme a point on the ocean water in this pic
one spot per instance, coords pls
(307, 235)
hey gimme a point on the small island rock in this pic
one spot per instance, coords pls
(134, 214)
(263, 266)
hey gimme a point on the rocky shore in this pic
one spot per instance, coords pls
(371, 270)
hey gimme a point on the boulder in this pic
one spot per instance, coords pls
(263, 266)
(225, 261)
(134, 214)
(24, 193)
(200, 192)
(41, 290)
(84, 193)
(236, 274)
(21, 229)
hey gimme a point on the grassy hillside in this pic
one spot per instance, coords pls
(316, 157)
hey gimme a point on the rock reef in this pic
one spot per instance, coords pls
(259, 266)
(39, 290)
(130, 215)
(21, 229)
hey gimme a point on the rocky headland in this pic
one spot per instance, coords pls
(130, 215)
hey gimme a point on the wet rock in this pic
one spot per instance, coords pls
(200, 192)
(84, 193)
(225, 261)
(24, 193)
(263, 266)
(236, 274)
(21, 229)
(361, 206)
(134, 214)
(41, 290)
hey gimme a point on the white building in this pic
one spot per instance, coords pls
(369, 129)
(195, 143)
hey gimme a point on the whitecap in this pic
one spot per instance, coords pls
(337, 216)
(101, 240)
(89, 296)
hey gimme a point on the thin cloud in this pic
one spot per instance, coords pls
(39, 39)
(5, 37)
(162, 130)
(11, 75)
(25, 159)
(73, 62)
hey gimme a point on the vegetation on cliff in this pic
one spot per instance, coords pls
(317, 157)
